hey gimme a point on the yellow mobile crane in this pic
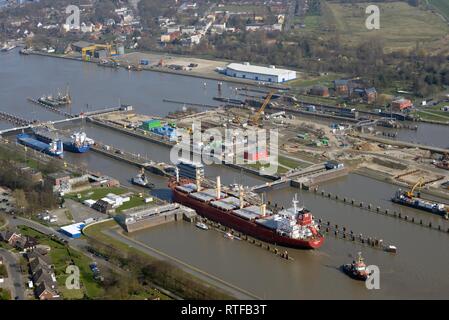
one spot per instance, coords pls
(91, 49)
(255, 120)
(418, 184)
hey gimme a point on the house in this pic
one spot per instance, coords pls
(341, 87)
(102, 206)
(26, 243)
(370, 95)
(45, 292)
(9, 237)
(401, 104)
(321, 91)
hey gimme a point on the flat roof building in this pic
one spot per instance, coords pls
(73, 230)
(259, 73)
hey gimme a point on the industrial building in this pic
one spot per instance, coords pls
(258, 73)
(73, 230)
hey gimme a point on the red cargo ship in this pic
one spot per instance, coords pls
(293, 227)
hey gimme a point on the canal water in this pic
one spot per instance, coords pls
(93, 87)
(409, 274)
(419, 270)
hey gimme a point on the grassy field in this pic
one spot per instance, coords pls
(3, 272)
(442, 6)
(4, 294)
(98, 193)
(401, 25)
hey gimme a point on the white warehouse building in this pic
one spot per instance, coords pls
(258, 73)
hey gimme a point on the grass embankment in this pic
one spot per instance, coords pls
(3, 271)
(442, 6)
(148, 269)
(5, 294)
(401, 25)
(62, 256)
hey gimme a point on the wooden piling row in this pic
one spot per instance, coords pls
(390, 213)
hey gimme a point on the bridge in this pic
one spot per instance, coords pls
(285, 181)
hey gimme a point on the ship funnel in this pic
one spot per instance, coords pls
(177, 174)
(241, 196)
(263, 210)
(218, 187)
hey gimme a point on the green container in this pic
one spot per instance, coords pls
(151, 124)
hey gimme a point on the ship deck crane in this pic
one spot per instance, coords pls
(418, 184)
(255, 120)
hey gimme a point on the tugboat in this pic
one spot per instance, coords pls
(357, 269)
(141, 180)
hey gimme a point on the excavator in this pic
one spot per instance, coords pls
(418, 184)
(255, 120)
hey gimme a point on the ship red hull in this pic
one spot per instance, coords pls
(246, 227)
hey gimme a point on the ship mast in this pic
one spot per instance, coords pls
(218, 187)
(198, 180)
(295, 203)
(241, 196)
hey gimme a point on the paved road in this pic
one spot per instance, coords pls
(14, 274)
(237, 292)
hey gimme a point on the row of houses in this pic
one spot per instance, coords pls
(42, 276)
(348, 89)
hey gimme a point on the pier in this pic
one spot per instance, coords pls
(14, 119)
(59, 111)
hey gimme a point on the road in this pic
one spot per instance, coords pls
(14, 274)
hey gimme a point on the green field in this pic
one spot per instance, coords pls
(5, 294)
(98, 193)
(401, 25)
(442, 6)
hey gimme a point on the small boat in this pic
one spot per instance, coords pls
(357, 269)
(202, 225)
(141, 180)
(391, 249)
(229, 235)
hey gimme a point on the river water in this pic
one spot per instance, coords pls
(419, 270)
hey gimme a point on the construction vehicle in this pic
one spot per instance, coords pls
(418, 184)
(255, 120)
